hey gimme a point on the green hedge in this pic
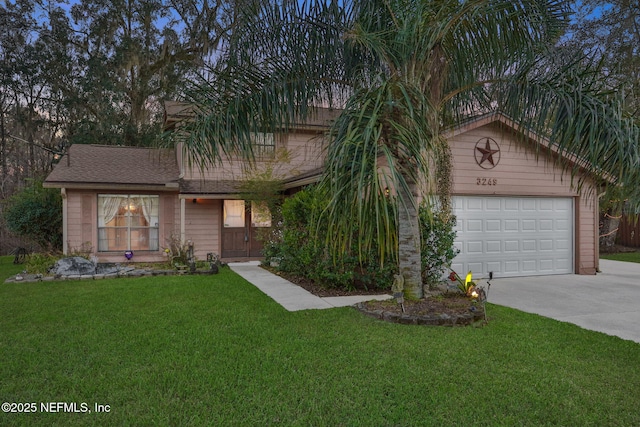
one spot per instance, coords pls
(296, 243)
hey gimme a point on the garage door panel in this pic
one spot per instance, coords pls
(511, 246)
(563, 204)
(511, 225)
(529, 266)
(474, 225)
(495, 266)
(528, 225)
(545, 224)
(474, 204)
(528, 205)
(493, 204)
(492, 225)
(475, 247)
(511, 268)
(514, 236)
(547, 265)
(474, 266)
(546, 205)
(511, 205)
(546, 244)
(493, 246)
(562, 225)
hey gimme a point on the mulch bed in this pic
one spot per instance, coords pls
(446, 303)
(323, 291)
(447, 308)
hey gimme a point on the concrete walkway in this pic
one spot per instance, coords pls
(608, 302)
(290, 296)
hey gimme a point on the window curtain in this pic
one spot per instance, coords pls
(149, 210)
(110, 206)
(149, 207)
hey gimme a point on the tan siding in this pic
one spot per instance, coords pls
(517, 173)
(87, 219)
(74, 217)
(168, 219)
(306, 153)
(202, 226)
(300, 152)
(587, 239)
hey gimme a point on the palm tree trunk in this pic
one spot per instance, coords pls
(609, 229)
(409, 242)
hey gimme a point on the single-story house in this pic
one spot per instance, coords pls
(517, 213)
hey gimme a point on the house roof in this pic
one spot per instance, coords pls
(202, 187)
(305, 178)
(319, 118)
(100, 166)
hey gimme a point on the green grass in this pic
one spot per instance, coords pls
(214, 350)
(623, 256)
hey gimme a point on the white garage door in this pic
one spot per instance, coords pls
(513, 236)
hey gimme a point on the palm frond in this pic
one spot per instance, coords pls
(379, 147)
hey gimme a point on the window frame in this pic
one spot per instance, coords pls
(150, 232)
(264, 145)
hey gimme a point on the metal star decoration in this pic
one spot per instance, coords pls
(487, 153)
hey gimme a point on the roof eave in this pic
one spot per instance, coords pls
(111, 186)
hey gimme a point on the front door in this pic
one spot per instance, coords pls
(241, 226)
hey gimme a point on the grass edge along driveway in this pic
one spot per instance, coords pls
(214, 350)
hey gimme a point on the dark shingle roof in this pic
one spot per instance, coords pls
(105, 164)
(209, 187)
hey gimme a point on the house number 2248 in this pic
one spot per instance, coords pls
(486, 181)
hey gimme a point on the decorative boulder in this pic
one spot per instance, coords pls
(73, 266)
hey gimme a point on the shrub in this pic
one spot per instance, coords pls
(36, 214)
(299, 249)
(40, 263)
(437, 250)
(177, 251)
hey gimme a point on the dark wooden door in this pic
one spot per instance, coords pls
(255, 245)
(240, 238)
(233, 243)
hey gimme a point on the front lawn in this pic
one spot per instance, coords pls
(214, 350)
(623, 256)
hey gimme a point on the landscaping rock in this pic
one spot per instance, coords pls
(453, 310)
(73, 266)
(107, 268)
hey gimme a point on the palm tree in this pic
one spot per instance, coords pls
(402, 72)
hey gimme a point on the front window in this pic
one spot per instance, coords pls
(264, 145)
(233, 213)
(127, 222)
(260, 215)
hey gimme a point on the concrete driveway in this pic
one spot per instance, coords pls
(608, 302)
